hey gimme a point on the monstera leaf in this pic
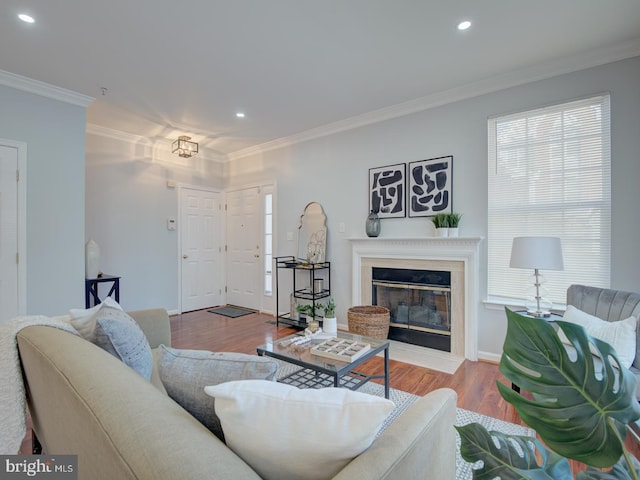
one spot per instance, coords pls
(514, 457)
(582, 401)
(620, 471)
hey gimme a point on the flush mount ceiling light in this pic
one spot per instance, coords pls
(184, 148)
(464, 25)
(240, 115)
(26, 18)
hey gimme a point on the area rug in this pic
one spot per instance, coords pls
(403, 400)
(233, 312)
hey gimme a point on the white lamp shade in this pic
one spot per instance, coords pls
(543, 253)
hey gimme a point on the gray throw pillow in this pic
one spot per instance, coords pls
(119, 334)
(185, 373)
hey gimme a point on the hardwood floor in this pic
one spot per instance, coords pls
(474, 382)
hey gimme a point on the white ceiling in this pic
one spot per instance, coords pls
(187, 67)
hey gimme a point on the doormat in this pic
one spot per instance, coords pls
(232, 312)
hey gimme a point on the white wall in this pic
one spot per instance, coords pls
(334, 171)
(54, 133)
(128, 203)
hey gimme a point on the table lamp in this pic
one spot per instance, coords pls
(539, 253)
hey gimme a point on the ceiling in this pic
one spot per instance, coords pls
(172, 68)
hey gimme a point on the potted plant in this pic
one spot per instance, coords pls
(329, 323)
(311, 311)
(582, 406)
(441, 222)
(453, 220)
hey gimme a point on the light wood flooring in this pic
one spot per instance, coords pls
(474, 382)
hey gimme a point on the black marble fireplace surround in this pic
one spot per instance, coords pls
(419, 302)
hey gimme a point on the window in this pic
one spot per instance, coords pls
(550, 175)
(268, 244)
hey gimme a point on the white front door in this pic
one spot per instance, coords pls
(9, 305)
(202, 269)
(244, 256)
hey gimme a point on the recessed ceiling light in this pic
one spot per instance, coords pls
(464, 25)
(240, 115)
(26, 18)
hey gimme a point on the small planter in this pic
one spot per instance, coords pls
(442, 232)
(453, 231)
(330, 325)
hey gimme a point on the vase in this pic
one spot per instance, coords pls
(91, 259)
(293, 304)
(373, 224)
(330, 325)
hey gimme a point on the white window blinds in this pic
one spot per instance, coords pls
(550, 175)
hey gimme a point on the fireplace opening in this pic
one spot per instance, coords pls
(419, 302)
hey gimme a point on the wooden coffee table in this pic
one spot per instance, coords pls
(317, 369)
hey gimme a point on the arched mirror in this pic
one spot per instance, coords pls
(312, 234)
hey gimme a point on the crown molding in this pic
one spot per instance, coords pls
(515, 78)
(100, 131)
(30, 85)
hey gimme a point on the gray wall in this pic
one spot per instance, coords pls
(128, 203)
(333, 170)
(54, 133)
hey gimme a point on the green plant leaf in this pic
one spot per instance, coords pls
(620, 471)
(580, 405)
(514, 457)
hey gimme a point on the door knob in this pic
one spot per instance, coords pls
(256, 255)
(185, 256)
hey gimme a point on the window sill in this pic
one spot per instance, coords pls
(498, 303)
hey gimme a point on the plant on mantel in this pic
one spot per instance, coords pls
(441, 220)
(582, 406)
(453, 220)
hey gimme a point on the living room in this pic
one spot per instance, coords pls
(127, 200)
(120, 188)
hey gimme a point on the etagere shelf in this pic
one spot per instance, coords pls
(305, 286)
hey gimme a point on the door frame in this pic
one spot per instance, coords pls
(223, 236)
(21, 186)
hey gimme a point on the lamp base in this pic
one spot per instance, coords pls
(539, 313)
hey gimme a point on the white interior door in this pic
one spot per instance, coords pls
(244, 256)
(9, 304)
(202, 269)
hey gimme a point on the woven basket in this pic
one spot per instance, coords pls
(369, 320)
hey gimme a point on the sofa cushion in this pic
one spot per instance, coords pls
(119, 334)
(185, 373)
(320, 430)
(84, 319)
(620, 335)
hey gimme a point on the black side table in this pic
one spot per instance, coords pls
(91, 289)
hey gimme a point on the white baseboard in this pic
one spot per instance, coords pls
(489, 357)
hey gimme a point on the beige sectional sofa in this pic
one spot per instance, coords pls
(86, 402)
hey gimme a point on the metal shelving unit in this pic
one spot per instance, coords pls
(304, 280)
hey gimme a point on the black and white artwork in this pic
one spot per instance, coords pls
(387, 191)
(430, 187)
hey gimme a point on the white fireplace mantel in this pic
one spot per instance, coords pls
(456, 249)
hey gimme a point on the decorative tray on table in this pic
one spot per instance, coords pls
(341, 349)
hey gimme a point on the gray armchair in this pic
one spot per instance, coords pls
(609, 305)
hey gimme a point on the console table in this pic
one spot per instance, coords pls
(91, 289)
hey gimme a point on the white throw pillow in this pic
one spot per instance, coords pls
(84, 319)
(286, 433)
(620, 335)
